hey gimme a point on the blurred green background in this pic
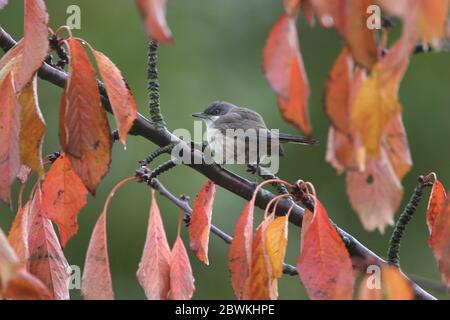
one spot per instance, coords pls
(217, 55)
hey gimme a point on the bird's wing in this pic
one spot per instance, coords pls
(241, 119)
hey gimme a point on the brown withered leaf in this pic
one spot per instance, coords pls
(375, 193)
(201, 221)
(85, 125)
(63, 196)
(154, 269)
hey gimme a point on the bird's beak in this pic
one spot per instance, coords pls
(200, 115)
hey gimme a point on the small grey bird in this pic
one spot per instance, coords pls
(237, 133)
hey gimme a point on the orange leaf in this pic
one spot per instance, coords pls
(324, 264)
(36, 44)
(438, 220)
(181, 278)
(276, 244)
(18, 234)
(284, 70)
(397, 147)
(32, 129)
(344, 152)
(240, 254)
(366, 292)
(122, 101)
(435, 205)
(9, 137)
(154, 14)
(377, 102)
(375, 193)
(63, 196)
(97, 283)
(86, 129)
(292, 6)
(201, 221)
(154, 268)
(25, 286)
(46, 259)
(395, 285)
(337, 92)
(349, 17)
(260, 285)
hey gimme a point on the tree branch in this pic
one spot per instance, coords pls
(224, 178)
(184, 205)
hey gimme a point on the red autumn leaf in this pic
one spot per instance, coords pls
(9, 137)
(324, 264)
(395, 285)
(96, 283)
(435, 205)
(240, 254)
(284, 70)
(259, 284)
(438, 220)
(154, 268)
(63, 196)
(154, 14)
(367, 290)
(201, 221)
(85, 130)
(349, 17)
(36, 44)
(181, 277)
(46, 259)
(122, 101)
(376, 193)
(25, 286)
(337, 92)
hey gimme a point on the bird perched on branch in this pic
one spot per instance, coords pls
(240, 135)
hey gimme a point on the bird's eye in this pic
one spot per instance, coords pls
(216, 112)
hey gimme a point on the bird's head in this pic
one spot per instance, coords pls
(214, 111)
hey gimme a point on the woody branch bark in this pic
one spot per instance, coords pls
(361, 255)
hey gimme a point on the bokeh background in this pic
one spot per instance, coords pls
(217, 55)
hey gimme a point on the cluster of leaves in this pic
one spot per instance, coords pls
(367, 139)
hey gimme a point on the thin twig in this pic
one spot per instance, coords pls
(184, 205)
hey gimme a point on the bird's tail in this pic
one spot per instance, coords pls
(290, 138)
